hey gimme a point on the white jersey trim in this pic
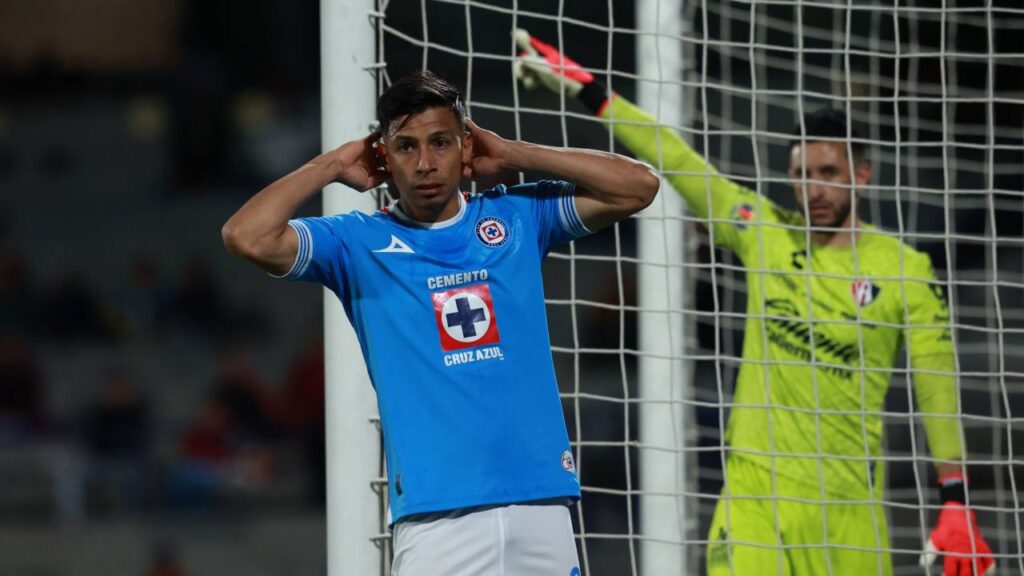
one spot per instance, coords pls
(567, 213)
(304, 253)
(396, 210)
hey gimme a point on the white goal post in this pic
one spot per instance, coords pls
(348, 39)
(667, 518)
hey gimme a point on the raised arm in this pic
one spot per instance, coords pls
(708, 194)
(689, 173)
(609, 187)
(259, 231)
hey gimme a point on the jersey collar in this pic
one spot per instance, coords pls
(397, 212)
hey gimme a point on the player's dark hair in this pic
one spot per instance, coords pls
(415, 93)
(828, 124)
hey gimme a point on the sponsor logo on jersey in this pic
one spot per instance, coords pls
(568, 464)
(742, 214)
(864, 292)
(396, 247)
(799, 259)
(789, 331)
(465, 317)
(456, 279)
(492, 231)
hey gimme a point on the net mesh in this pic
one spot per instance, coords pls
(935, 88)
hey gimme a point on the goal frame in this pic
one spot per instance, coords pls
(354, 485)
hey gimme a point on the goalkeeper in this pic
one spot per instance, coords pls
(805, 473)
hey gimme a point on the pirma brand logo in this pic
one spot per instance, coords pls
(864, 292)
(492, 231)
(395, 247)
(465, 317)
(567, 462)
(742, 214)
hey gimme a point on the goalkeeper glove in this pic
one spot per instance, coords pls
(539, 63)
(957, 532)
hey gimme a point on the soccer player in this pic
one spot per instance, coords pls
(444, 291)
(829, 305)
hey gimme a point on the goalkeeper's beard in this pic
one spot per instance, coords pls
(837, 217)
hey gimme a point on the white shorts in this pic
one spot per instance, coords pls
(515, 540)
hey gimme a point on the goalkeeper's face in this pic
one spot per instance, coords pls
(425, 153)
(824, 184)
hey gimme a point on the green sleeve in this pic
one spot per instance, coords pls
(730, 209)
(932, 359)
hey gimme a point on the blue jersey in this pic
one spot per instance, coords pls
(452, 324)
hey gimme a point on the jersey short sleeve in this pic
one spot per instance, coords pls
(551, 204)
(321, 253)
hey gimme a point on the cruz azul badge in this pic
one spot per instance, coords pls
(465, 317)
(492, 232)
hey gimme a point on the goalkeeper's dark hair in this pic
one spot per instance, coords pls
(828, 124)
(415, 93)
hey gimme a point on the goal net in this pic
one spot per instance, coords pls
(934, 88)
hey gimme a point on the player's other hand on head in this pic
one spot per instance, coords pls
(958, 538)
(541, 64)
(491, 154)
(361, 164)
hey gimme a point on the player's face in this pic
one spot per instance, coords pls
(824, 185)
(425, 153)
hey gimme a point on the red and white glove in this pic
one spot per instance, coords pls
(957, 536)
(540, 63)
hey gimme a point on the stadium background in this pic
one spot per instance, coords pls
(134, 353)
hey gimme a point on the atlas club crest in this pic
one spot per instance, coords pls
(864, 292)
(492, 231)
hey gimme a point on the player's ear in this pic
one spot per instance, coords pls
(862, 171)
(467, 147)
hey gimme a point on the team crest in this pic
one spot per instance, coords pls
(465, 317)
(492, 232)
(864, 292)
(742, 214)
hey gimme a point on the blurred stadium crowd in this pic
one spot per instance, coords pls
(146, 380)
(128, 460)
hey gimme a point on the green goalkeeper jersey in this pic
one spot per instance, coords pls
(824, 327)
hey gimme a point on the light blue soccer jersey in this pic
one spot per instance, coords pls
(453, 329)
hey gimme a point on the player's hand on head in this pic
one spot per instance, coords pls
(958, 537)
(361, 164)
(489, 155)
(539, 63)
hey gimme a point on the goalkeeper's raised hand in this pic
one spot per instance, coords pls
(541, 64)
(957, 536)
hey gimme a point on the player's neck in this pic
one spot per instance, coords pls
(840, 238)
(426, 215)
